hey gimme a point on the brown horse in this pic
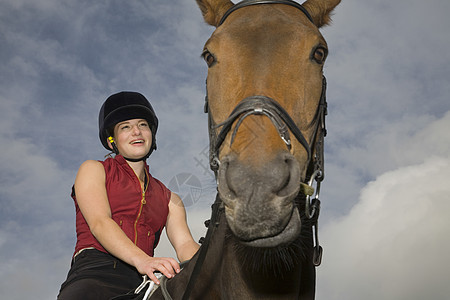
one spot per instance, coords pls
(266, 104)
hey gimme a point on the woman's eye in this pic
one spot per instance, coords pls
(209, 58)
(319, 55)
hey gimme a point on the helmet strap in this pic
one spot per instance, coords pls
(113, 144)
(138, 159)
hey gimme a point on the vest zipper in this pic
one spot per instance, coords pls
(143, 202)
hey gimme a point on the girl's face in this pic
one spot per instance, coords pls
(133, 138)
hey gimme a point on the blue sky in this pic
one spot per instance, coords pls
(385, 204)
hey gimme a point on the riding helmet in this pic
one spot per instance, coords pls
(125, 106)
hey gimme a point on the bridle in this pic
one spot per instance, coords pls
(263, 105)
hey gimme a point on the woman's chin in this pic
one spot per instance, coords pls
(135, 152)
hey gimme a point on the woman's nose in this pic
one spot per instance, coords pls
(136, 130)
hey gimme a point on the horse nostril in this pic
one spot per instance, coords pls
(285, 184)
(224, 180)
(291, 176)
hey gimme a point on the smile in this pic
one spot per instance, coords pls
(137, 142)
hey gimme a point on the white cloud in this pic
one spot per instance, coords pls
(35, 233)
(385, 86)
(406, 141)
(394, 244)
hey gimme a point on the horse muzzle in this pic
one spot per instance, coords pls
(259, 202)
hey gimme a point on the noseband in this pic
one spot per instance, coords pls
(258, 105)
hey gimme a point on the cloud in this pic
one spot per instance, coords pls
(384, 87)
(388, 124)
(382, 65)
(394, 242)
(407, 141)
(35, 209)
(60, 61)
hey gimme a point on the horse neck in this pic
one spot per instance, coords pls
(206, 284)
(244, 283)
(225, 275)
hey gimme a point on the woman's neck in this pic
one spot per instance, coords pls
(138, 168)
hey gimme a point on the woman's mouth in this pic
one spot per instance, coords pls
(137, 142)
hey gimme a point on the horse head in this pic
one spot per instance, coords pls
(264, 88)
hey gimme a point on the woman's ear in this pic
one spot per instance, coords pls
(109, 143)
(112, 145)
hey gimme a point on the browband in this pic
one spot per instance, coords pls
(256, 2)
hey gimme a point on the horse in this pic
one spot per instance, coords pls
(266, 106)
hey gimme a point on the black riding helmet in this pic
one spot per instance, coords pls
(125, 106)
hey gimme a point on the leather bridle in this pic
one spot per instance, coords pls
(263, 105)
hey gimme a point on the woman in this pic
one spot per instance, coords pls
(121, 209)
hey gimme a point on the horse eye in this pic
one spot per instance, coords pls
(319, 55)
(209, 58)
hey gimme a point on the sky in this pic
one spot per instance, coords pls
(384, 223)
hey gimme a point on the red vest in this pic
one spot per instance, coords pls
(142, 216)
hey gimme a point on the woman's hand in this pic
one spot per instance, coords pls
(166, 265)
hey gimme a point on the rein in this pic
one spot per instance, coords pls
(217, 208)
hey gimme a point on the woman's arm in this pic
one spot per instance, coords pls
(92, 199)
(178, 231)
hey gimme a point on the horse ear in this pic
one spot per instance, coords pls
(320, 11)
(213, 10)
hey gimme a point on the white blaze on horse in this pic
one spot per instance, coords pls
(266, 106)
